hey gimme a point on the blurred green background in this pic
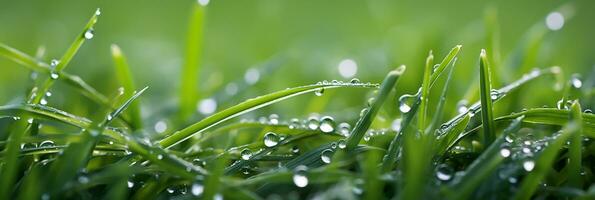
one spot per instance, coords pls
(301, 42)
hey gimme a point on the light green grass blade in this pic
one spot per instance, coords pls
(365, 121)
(544, 162)
(425, 94)
(440, 107)
(552, 116)
(574, 148)
(487, 114)
(41, 67)
(247, 106)
(189, 90)
(484, 165)
(127, 81)
(87, 33)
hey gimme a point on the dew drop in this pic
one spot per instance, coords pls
(528, 165)
(462, 106)
(197, 189)
(30, 120)
(575, 81)
(406, 101)
(54, 63)
(588, 111)
(46, 143)
(444, 172)
(130, 184)
(295, 149)
(294, 123)
(299, 176)
(319, 91)
(313, 123)
(170, 190)
(505, 152)
(98, 12)
(274, 119)
(344, 129)
(89, 33)
(326, 155)
(494, 94)
(342, 144)
(54, 75)
(159, 156)
(43, 101)
(271, 139)
(109, 117)
(363, 112)
(354, 81)
(246, 154)
(327, 124)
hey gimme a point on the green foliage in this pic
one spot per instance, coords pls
(392, 151)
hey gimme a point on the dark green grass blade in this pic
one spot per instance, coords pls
(130, 101)
(244, 107)
(544, 162)
(127, 81)
(66, 58)
(11, 162)
(487, 116)
(365, 121)
(483, 166)
(41, 67)
(189, 90)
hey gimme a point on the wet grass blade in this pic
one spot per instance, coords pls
(364, 122)
(574, 148)
(127, 81)
(87, 33)
(553, 116)
(11, 163)
(440, 107)
(484, 165)
(425, 94)
(41, 67)
(247, 106)
(544, 162)
(189, 90)
(487, 116)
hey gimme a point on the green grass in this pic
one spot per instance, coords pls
(438, 151)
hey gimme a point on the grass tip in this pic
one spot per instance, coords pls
(483, 53)
(399, 70)
(116, 50)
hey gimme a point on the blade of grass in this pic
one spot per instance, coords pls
(244, 107)
(487, 116)
(127, 81)
(484, 165)
(440, 107)
(189, 90)
(552, 116)
(41, 67)
(66, 58)
(365, 121)
(425, 94)
(11, 162)
(544, 162)
(574, 148)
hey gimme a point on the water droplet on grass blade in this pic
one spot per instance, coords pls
(354, 81)
(528, 165)
(342, 144)
(344, 129)
(46, 143)
(327, 124)
(299, 176)
(396, 125)
(246, 154)
(274, 119)
(271, 139)
(406, 101)
(444, 172)
(54, 75)
(313, 123)
(326, 155)
(319, 91)
(505, 152)
(54, 63)
(130, 184)
(89, 34)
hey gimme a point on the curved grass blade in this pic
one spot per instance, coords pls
(244, 107)
(552, 116)
(425, 94)
(66, 58)
(484, 165)
(487, 116)
(125, 77)
(41, 67)
(365, 121)
(544, 162)
(440, 107)
(189, 90)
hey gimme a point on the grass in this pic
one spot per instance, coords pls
(477, 152)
